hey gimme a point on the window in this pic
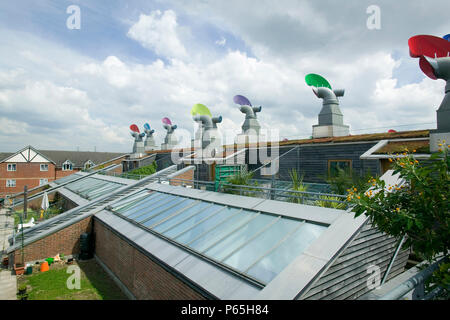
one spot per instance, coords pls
(12, 167)
(44, 167)
(43, 181)
(334, 166)
(67, 165)
(10, 183)
(88, 164)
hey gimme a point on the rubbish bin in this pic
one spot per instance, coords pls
(86, 246)
(29, 270)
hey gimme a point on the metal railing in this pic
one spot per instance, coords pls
(125, 175)
(416, 284)
(288, 195)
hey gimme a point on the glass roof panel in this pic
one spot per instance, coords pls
(195, 219)
(218, 233)
(129, 206)
(160, 209)
(164, 213)
(129, 201)
(274, 262)
(147, 203)
(186, 214)
(67, 178)
(254, 244)
(206, 225)
(239, 237)
(91, 188)
(254, 249)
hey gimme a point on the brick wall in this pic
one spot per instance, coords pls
(188, 175)
(26, 174)
(143, 277)
(60, 173)
(65, 241)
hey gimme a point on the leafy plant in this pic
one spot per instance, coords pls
(241, 178)
(297, 185)
(343, 180)
(22, 287)
(419, 208)
(322, 202)
(146, 170)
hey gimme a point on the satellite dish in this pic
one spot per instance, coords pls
(166, 121)
(200, 109)
(134, 128)
(429, 46)
(147, 126)
(241, 100)
(317, 81)
(447, 37)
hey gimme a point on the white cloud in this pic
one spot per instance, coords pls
(158, 32)
(221, 42)
(51, 97)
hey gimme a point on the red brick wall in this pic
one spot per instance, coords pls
(26, 174)
(65, 241)
(59, 173)
(188, 175)
(142, 276)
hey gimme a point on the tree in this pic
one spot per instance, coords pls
(418, 208)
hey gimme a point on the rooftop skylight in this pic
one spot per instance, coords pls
(92, 188)
(255, 245)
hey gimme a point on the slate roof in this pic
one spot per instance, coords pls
(78, 158)
(4, 155)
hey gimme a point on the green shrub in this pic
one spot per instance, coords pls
(419, 209)
(297, 185)
(330, 204)
(146, 170)
(241, 178)
(346, 179)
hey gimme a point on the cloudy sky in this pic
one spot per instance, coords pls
(139, 61)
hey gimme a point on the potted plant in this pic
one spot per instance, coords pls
(22, 289)
(19, 268)
(23, 296)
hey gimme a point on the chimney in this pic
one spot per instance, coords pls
(441, 69)
(207, 133)
(138, 145)
(170, 141)
(434, 60)
(149, 143)
(331, 119)
(251, 125)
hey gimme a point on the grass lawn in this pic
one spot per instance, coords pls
(35, 214)
(51, 285)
